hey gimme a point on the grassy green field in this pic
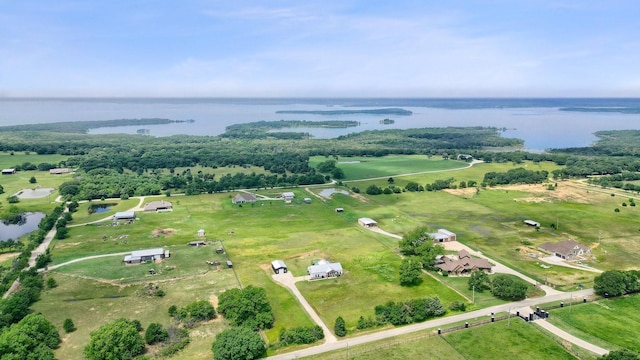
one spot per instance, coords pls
(372, 167)
(519, 341)
(491, 341)
(299, 233)
(613, 321)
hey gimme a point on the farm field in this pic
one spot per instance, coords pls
(612, 323)
(357, 167)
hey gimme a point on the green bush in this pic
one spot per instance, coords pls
(68, 325)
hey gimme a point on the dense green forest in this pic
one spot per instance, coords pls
(126, 165)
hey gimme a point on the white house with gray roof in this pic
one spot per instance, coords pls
(324, 269)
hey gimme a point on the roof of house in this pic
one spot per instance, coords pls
(446, 232)
(324, 267)
(278, 264)
(438, 236)
(532, 223)
(8, 170)
(245, 197)
(58, 171)
(158, 204)
(563, 247)
(464, 262)
(288, 194)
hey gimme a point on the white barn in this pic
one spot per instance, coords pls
(140, 256)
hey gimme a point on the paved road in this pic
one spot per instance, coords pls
(440, 322)
(289, 282)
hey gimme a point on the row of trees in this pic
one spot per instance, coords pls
(516, 176)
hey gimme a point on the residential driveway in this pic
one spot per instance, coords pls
(289, 282)
(554, 260)
(570, 338)
(380, 231)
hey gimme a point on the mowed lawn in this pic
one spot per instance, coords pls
(357, 167)
(615, 321)
(491, 341)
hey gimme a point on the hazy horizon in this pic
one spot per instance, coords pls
(320, 49)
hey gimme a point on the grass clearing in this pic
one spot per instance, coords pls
(495, 340)
(615, 321)
(358, 167)
(91, 304)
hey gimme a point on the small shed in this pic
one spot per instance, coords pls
(8, 171)
(197, 243)
(220, 250)
(124, 215)
(201, 233)
(532, 223)
(58, 171)
(339, 209)
(288, 196)
(229, 264)
(279, 267)
(307, 200)
(367, 222)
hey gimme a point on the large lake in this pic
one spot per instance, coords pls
(539, 122)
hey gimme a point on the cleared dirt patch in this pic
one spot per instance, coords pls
(564, 192)
(7, 256)
(165, 232)
(465, 193)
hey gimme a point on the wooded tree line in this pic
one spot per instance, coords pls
(515, 176)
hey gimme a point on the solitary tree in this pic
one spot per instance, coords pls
(612, 283)
(238, 343)
(410, 271)
(118, 339)
(340, 327)
(508, 287)
(479, 281)
(33, 180)
(68, 325)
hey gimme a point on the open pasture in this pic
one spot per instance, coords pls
(91, 304)
(611, 323)
(358, 167)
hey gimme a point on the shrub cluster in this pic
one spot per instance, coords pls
(412, 311)
(301, 335)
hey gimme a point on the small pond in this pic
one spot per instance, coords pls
(100, 208)
(27, 222)
(326, 193)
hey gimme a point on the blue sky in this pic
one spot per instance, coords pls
(501, 48)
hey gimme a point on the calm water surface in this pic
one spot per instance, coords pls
(539, 122)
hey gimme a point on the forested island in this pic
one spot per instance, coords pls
(621, 110)
(386, 111)
(82, 127)
(263, 129)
